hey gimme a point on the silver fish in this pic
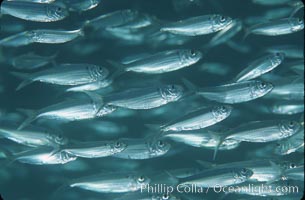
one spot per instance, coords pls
(199, 119)
(31, 61)
(95, 149)
(263, 170)
(66, 74)
(140, 149)
(202, 139)
(222, 177)
(260, 66)
(37, 1)
(71, 110)
(113, 19)
(34, 11)
(43, 156)
(48, 36)
(264, 131)
(291, 144)
(235, 92)
(162, 62)
(112, 182)
(81, 5)
(200, 25)
(277, 27)
(41, 36)
(145, 98)
(287, 107)
(33, 137)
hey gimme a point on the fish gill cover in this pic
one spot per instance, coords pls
(151, 100)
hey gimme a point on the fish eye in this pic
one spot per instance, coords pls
(292, 165)
(161, 143)
(165, 196)
(118, 145)
(300, 20)
(141, 179)
(172, 87)
(244, 171)
(291, 124)
(278, 144)
(193, 52)
(263, 85)
(222, 18)
(58, 9)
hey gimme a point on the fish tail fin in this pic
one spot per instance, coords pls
(57, 193)
(120, 69)
(31, 117)
(95, 97)
(189, 85)
(247, 33)
(219, 143)
(27, 80)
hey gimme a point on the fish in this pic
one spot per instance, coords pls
(37, 1)
(287, 107)
(70, 110)
(113, 19)
(46, 36)
(291, 144)
(81, 5)
(112, 182)
(263, 170)
(65, 74)
(200, 25)
(260, 66)
(201, 138)
(233, 93)
(277, 27)
(162, 62)
(96, 149)
(146, 97)
(142, 149)
(33, 137)
(33, 11)
(199, 119)
(264, 131)
(31, 61)
(217, 177)
(43, 156)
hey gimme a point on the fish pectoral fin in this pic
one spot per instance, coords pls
(95, 97)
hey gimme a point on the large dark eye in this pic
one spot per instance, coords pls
(278, 144)
(263, 85)
(292, 124)
(161, 143)
(222, 18)
(141, 179)
(118, 144)
(193, 52)
(58, 9)
(244, 171)
(300, 21)
(292, 165)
